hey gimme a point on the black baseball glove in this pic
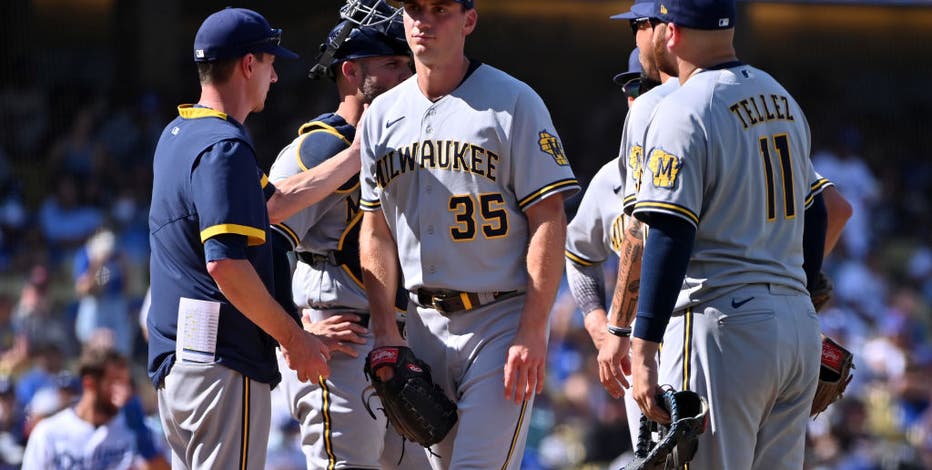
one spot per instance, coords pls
(413, 403)
(671, 447)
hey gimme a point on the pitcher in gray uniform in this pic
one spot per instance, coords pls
(463, 179)
(336, 429)
(736, 226)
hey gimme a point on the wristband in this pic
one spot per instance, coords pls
(619, 331)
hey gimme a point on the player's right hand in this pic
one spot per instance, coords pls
(390, 338)
(307, 355)
(614, 364)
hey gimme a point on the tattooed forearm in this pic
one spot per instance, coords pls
(625, 297)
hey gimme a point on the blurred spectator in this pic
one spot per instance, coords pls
(861, 286)
(12, 212)
(47, 364)
(851, 175)
(11, 427)
(26, 104)
(285, 446)
(65, 219)
(34, 318)
(78, 152)
(87, 435)
(7, 331)
(100, 282)
(44, 403)
(120, 136)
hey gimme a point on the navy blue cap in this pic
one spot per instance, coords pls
(634, 69)
(640, 9)
(467, 3)
(370, 41)
(235, 32)
(698, 14)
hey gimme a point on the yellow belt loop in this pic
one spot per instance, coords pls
(467, 304)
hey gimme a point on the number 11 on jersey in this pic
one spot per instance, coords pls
(781, 142)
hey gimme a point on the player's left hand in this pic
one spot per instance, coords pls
(525, 365)
(343, 327)
(644, 374)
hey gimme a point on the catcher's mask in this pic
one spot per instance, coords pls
(369, 28)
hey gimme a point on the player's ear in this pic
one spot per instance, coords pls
(246, 64)
(350, 70)
(472, 18)
(673, 35)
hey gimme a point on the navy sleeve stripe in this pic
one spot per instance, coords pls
(817, 189)
(557, 186)
(667, 208)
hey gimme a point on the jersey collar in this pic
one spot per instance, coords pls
(725, 65)
(193, 111)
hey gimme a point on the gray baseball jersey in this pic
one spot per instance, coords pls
(327, 281)
(596, 230)
(739, 171)
(729, 153)
(453, 178)
(631, 153)
(323, 227)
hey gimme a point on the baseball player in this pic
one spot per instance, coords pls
(594, 234)
(212, 322)
(327, 282)
(728, 192)
(614, 367)
(588, 243)
(463, 179)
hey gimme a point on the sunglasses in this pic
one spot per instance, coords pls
(275, 39)
(638, 24)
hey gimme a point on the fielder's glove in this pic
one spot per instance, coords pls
(671, 447)
(822, 292)
(417, 407)
(834, 375)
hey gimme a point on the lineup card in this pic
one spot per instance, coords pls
(198, 321)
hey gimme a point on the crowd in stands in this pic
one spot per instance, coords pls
(74, 193)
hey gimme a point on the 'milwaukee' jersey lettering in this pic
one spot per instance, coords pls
(439, 155)
(453, 178)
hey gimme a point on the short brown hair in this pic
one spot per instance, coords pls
(216, 72)
(94, 361)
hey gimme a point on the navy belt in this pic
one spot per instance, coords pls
(449, 301)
